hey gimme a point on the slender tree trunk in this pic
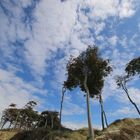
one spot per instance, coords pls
(1, 120)
(16, 120)
(20, 126)
(52, 121)
(133, 103)
(46, 123)
(61, 107)
(37, 124)
(10, 125)
(3, 124)
(102, 111)
(106, 122)
(103, 115)
(90, 129)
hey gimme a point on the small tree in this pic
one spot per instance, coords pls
(121, 82)
(49, 119)
(8, 115)
(87, 71)
(4, 118)
(28, 115)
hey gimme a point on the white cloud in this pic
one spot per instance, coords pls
(55, 26)
(123, 111)
(74, 126)
(113, 40)
(102, 10)
(127, 8)
(56, 23)
(135, 94)
(15, 90)
(78, 125)
(73, 109)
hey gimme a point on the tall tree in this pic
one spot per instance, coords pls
(87, 71)
(121, 82)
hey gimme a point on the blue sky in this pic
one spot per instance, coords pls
(38, 37)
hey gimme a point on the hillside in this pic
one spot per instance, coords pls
(126, 129)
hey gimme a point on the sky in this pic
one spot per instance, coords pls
(37, 38)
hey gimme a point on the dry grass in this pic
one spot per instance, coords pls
(126, 129)
(7, 135)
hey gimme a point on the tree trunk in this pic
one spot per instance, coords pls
(61, 107)
(37, 124)
(3, 124)
(52, 117)
(10, 125)
(46, 123)
(102, 111)
(103, 115)
(105, 119)
(90, 129)
(133, 103)
(1, 120)
(16, 120)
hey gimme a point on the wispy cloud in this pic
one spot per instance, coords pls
(16, 90)
(38, 36)
(123, 112)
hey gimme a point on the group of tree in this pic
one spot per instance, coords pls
(27, 118)
(88, 71)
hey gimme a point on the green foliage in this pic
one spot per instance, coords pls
(133, 67)
(51, 117)
(91, 64)
(121, 80)
(28, 118)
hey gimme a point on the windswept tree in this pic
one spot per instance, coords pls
(4, 118)
(121, 82)
(49, 119)
(28, 116)
(24, 115)
(132, 69)
(8, 115)
(87, 71)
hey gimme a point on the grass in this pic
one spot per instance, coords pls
(7, 135)
(126, 129)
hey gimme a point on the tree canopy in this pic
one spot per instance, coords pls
(133, 67)
(93, 65)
